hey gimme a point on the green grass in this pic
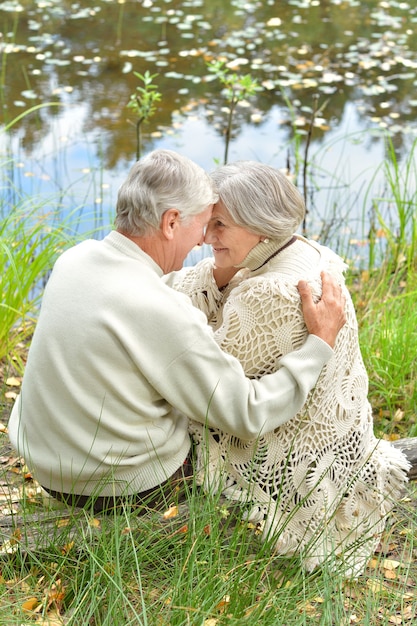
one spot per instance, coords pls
(29, 245)
(203, 567)
(388, 336)
(385, 295)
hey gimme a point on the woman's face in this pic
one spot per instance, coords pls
(231, 243)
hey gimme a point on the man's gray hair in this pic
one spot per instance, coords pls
(260, 198)
(161, 180)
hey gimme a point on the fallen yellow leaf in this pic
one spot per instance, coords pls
(390, 564)
(409, 595)
(30, 604)
(94, 522)
(395, 619)
(8, 547)
(399, 414)
(67, 547)
(13, 381)
(171, 512)
(408, 613)
(62, 522)
(309, 609)
(391, 437)
(222, 605)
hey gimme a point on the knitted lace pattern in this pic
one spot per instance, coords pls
(321, 484)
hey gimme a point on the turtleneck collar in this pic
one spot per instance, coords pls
(263, 252)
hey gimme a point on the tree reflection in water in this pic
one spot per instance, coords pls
(358, 58)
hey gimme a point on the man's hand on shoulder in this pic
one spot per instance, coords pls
(327, 316)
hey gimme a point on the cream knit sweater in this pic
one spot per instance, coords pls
(320, 484)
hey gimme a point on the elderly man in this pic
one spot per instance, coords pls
(119, 361)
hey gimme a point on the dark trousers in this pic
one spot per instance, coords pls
(171, 490)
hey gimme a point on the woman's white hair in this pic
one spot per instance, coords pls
(260, 198)
(160, 181)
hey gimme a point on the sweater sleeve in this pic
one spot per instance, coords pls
(199, 379)
(218, 393)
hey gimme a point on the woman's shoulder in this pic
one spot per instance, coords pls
(270, 284)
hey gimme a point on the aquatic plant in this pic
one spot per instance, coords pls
(236, 87)
(143, 103)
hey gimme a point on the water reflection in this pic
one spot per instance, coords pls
(358, 58)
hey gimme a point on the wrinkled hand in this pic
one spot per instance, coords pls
(327, 316)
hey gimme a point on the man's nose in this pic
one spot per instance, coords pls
(208, 236)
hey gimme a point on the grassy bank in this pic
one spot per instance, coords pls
(198, 565)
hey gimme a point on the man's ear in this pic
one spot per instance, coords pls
(170, 222)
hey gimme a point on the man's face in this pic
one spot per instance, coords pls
(190, 234)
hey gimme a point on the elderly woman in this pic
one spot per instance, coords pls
(320, 484)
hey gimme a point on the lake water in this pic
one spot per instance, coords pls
(356, 60)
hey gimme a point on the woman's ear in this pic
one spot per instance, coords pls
(169, 222)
